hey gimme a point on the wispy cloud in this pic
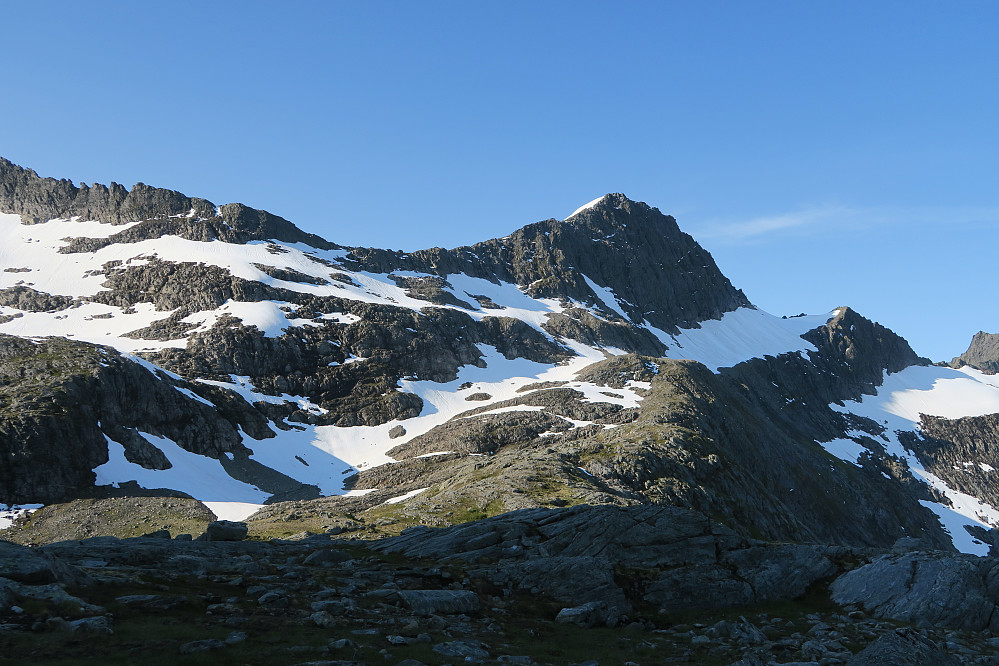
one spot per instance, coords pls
(839, 218)
(769, 224)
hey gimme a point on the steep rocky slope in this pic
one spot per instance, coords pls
(154, 343)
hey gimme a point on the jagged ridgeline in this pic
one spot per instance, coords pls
(157, 344)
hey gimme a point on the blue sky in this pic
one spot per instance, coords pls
(826, 153)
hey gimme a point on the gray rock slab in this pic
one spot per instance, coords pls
(21, 564)
(698, 587)
(902, 647)
(780, 572)
(469, 650)
(433, 602)
(925, 589)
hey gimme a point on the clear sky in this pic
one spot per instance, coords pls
(826, 153)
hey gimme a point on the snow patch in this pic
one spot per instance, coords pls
(607, 297)
(199, 476)
(10, 513)
(844, 449)
(403, 498)
(740, 335)
(235, 511)
(586, 206)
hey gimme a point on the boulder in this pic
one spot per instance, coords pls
(327, 556)
(100, 624)
(925, 589)
(590, 614)
(225, 530)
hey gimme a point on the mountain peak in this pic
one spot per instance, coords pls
(610, 201)
(623, 256)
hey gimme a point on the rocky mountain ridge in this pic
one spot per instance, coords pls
(602, 359)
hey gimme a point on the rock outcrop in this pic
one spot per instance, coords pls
(982, 354)
(61, 402)
(925, 589)
(160, 211)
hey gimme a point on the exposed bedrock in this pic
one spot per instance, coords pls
(60, 401)
(983, 353)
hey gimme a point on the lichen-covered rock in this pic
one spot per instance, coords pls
(110, 516)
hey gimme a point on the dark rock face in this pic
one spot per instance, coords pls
(38, 199)
(579, 324)
(59, 400)
(573, 554)
(484, 434)
(727, 446)
(963, 452)
(393, 342)
(983, 353)
(657, 272)
(855, 353)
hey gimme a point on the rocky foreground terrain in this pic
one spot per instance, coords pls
(610, 585)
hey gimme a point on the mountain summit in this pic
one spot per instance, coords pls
(157, 344)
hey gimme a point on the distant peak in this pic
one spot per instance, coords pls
(615, 200)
